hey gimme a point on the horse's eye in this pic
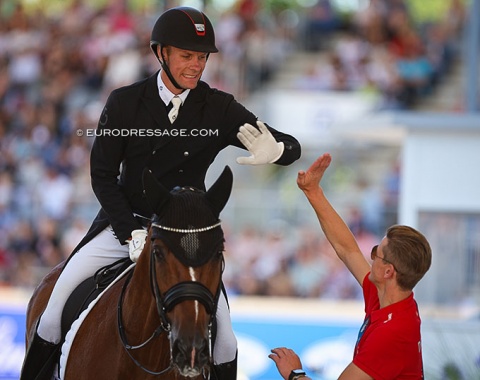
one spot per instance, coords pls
(159, 251)
(219, 255)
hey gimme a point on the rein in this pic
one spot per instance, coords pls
(183, 291)
(123, 336)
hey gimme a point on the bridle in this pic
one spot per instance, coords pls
(182, 291)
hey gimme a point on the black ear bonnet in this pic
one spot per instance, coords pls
(187, 219)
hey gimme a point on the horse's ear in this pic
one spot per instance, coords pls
(156, 194)
(219, 192)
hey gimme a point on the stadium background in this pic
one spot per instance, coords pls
(403, 134)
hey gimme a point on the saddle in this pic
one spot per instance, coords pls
(89, 290)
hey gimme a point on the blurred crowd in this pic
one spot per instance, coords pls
(382, 49)
(285, 264)
(56, 70)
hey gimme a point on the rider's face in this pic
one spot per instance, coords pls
(186, 67)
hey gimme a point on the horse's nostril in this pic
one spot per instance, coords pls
(179, 351)
(191, 355)
(203, 356)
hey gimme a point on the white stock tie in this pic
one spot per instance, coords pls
(176, 102)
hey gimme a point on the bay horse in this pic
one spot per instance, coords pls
(155, 322)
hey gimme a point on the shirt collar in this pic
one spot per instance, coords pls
(165, 94)
(386, 313)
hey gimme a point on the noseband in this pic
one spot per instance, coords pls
(183, 291)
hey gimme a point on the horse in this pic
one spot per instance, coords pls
(156, 321)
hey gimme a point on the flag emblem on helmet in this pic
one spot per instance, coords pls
(200, 28)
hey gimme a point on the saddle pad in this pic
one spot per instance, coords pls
(69, 338)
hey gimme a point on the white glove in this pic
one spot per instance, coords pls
(136, 244)
(260, 143)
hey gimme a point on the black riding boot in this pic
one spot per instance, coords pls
(226, 371)
(40, 360)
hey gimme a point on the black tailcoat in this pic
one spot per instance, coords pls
(134, 133)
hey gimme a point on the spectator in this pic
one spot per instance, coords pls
(242, 251)
(55, 192)
(321, 22)
(47, 242)
(72, 236)
(310, 268)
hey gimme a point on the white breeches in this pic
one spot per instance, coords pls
(102, 250)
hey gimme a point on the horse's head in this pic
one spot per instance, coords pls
(186, 263)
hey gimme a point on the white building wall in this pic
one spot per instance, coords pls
(440, 195)
(441, 172)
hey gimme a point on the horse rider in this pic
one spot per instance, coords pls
(177, 149)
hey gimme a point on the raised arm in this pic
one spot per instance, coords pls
(335, 229)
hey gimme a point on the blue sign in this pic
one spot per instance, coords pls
(324, 346)
(12, 342)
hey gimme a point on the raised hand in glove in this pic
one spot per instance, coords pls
(136, 244)
(261, 144)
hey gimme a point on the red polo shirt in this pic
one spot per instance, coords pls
(389, 344)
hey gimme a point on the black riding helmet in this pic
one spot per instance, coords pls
(184, 28)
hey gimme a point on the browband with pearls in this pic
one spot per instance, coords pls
(187, 231)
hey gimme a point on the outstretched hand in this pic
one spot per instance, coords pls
(309, 180)
(286, 360)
